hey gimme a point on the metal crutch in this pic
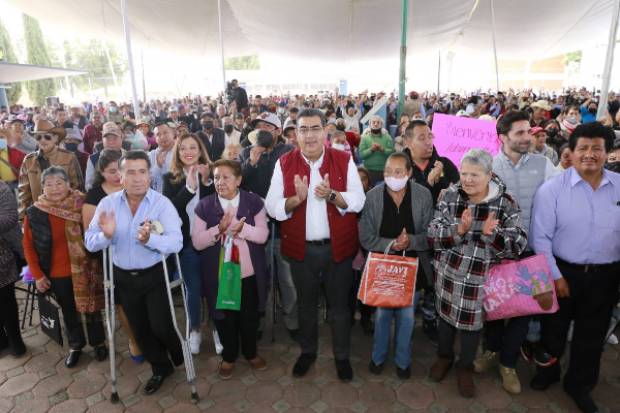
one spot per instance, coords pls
(188, 360)
(274, 286)
(110, 312)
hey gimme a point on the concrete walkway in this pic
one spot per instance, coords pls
(39, 382)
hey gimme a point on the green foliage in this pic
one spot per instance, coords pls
(242, 63)
(91, 57)
(572, 57)
(37, 54)
(7, 53)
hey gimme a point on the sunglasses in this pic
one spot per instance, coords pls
(46, 136)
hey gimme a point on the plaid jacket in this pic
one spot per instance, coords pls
(461, 263)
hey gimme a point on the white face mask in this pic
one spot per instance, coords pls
(339, 146)
(572, 120)
(396, 184)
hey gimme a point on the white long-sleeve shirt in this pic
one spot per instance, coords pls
(157, 173)
(317, 225)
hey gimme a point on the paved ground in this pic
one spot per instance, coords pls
(39, 382)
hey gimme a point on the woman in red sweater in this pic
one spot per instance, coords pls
(54, 249)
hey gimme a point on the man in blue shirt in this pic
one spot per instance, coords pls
(141, 225)
(576, 225)
(588, 110)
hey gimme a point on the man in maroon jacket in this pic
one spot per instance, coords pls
(92, 132)
(316, 193)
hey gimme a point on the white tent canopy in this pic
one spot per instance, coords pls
(339, 29)
(13, 72)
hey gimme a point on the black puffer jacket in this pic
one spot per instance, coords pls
(41, 237)
(10, 236)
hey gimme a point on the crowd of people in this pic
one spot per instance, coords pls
(302, 179)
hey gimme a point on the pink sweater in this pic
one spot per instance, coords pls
(203, 237)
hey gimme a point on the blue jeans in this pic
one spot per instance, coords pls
(192, 276)
(405, 322)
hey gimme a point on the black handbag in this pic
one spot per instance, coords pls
(49, 314)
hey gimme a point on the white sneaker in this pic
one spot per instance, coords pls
(218, 344)
(195, 338)
(613, 339)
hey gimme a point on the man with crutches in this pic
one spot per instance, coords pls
(141, 226)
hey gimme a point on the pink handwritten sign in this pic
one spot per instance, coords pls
(455, 135)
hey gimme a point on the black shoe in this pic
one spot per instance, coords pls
(542, 358)
(293, 333)
(344, 370)
(367, 327)
(545, 377)
(375, 368)
(430, 329)
(303, 363)
(73, 358)
(18, 349)
(403, 374)
(155, 383)
(583, 401)
(101, 352)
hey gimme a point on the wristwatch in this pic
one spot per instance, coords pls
(332, 196)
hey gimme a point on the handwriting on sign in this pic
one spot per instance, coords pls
(456, 135)
(497, 293)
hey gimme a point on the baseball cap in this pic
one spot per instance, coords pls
(268, 117)
(110, 128)
(288, 125)
(535, 130)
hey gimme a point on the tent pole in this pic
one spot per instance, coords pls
(143, 79)
(403, 57)
(219, 23)
(438, 72)
(106, 49)
(132, 74)
(494, 46)
(4, 101)
(609, 61)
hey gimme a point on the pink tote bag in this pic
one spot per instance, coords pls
(519, 288)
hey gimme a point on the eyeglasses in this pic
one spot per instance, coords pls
(314, 130)
(46, 136)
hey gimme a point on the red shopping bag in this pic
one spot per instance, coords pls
(388, 280)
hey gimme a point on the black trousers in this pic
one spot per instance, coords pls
(366, 311)
(319, 268)
(593, 295)
(446, 334)
(145, 301)
(62, 288)
(10, 333)
(506, 337)
(240, 328)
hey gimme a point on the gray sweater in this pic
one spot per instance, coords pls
(372, 215)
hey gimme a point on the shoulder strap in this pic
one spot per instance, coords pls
(13, 169)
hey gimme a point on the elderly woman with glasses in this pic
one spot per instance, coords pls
(49, 154)
(54, 250)
(477, 223)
